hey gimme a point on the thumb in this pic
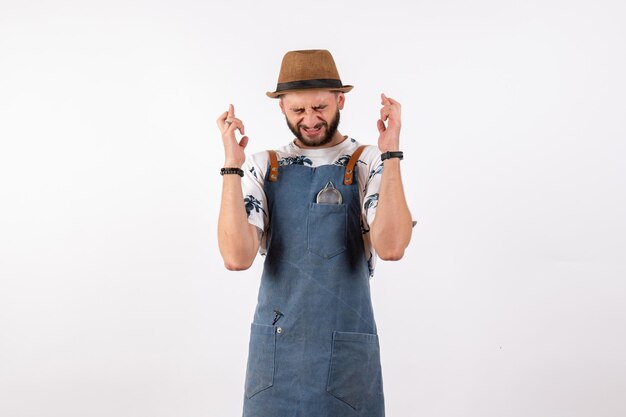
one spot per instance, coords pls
(243, 142)
(381, 126)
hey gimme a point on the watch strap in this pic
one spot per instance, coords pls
(395, 154)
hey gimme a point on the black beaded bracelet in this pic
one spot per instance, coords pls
(388, 155)
(237, 171)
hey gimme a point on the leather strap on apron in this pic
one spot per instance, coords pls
(347, 177)
(349, 173)
(273, 166)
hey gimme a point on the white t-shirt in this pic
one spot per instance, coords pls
(370, 170)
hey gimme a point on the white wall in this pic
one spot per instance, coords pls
(510, 299)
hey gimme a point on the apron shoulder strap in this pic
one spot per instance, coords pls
(348, 175)
(273, 166)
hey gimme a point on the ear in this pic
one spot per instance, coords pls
(341, 100)
(280, 103)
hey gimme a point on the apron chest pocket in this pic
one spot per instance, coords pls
(260, 367)
(327, 229)
(355, 375)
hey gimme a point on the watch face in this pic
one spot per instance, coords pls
(329, 195)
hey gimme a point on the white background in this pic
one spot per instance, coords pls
(510, 299)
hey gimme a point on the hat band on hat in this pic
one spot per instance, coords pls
(304, 84)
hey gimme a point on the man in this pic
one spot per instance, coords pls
(320, 209)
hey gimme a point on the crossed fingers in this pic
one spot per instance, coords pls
(390, 106)
(227, 122)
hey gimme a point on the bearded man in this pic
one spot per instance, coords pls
(321, 209)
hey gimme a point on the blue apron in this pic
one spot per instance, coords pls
(313, 348)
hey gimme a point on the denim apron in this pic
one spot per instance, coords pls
(313, 349)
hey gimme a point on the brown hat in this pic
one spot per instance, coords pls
(312, 69)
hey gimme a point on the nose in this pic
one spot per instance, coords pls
(310, 120)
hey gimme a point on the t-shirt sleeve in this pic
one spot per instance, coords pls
(372, 187)
(254, 197)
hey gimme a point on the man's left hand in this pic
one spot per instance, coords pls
(389, 138)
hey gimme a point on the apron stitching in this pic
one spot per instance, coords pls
(308, 276)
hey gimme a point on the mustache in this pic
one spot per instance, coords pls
(317, 126)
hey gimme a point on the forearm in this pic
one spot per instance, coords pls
(237, 239)
(392, 226)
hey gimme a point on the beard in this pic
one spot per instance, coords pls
(331, 129)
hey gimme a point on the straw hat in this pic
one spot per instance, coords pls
(311, 69)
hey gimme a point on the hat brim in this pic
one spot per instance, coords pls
(276, 94)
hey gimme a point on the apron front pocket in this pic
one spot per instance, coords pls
(327, 229)
(355, 375)
(260, 367)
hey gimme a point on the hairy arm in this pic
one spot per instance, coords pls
(237, 239)
(390, 231)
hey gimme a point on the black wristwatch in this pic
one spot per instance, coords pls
(388, 155)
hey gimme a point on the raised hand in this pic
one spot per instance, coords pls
(389, 134)
(233, 149)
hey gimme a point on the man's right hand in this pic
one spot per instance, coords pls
(237, 238)
(234, 151)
